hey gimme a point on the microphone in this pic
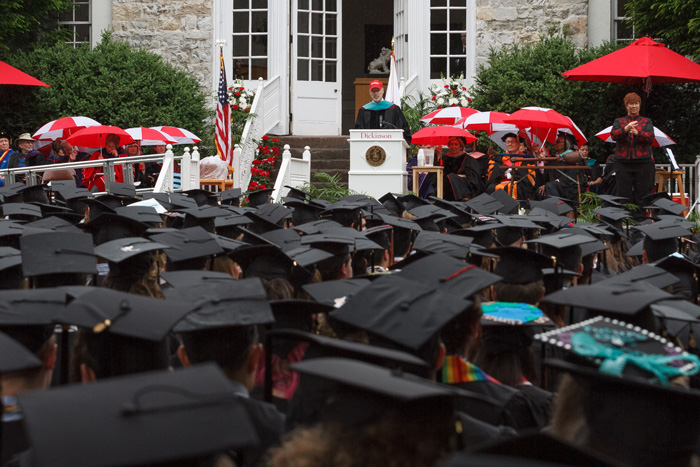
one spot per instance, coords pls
(385, 123)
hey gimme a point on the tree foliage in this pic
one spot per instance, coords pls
(675, 22)
(24, 23)
(112, 83)
(530, 75)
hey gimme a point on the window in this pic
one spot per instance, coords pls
(77, 21)
(448, 38)
(623, 30)
(249, 41)
(317, 40)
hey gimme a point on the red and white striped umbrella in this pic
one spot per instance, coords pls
(448, 115)
(63, 128)
(150, 136)
(180, 135)
(482, 121)
(544, 123)
(661, 139)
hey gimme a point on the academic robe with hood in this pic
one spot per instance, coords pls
(383, 115)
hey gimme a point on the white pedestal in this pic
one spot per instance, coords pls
(377, 162)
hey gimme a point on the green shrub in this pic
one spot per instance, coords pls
(112, 83)
(530, 75)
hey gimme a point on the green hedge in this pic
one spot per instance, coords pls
(530, 75)
(112, 83)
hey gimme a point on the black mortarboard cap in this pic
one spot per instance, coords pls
(663, 230)
(125, 314)
(180, 200)
(221, 304)
(296, 313)
(202, 216)
(190, 243)
(34, 194)
(484, 204)
(124, 190)
(202, 197)
(306, 256)
(287, 239)
(186, 278)
(145, 214)
(104, 204)
(161, 198)
(336, 242)
(107, 227)
(653, 275)
(267, 261)
(348, 349)
(296, 193)
(9, 257)
(392, 204)
(510, 205)
(518, 265)
(361, 241)
(270, 216)
(231, 220)
(329, 292)
(21, 211)
(317, 226)
(227, 244)
(52, 223)
(50, 252)
(400, 310)
(561, 240)
(231, 197)
(122, 249)
(12, 193)
(613, 213)
(303, 212)
(618, 299)
(453, 245)
(554, 205)
(259, 197)
(386, 389)
(449, 275)
(28, 315)
(145, 419)
(412, 201)
(14, 356)
(612, 200)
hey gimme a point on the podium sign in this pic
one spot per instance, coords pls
(377, 162)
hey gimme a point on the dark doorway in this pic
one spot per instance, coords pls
(367, 25)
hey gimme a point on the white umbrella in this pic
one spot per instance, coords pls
(661, 139)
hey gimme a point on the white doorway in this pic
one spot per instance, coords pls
(316, 67)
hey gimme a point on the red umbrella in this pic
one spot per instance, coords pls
(11, 75)
(63, 127)
(448, 115)
(482, 121)
(180, 135)
(643, 61)
(542, 122)
(150, 136)
(440, 135)
(661, 139)
(94, 136)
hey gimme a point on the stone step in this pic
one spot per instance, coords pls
(329, 154)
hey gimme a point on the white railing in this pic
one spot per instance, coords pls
(271, 104)
(244, 154)
(107, 166)
(189, 170)
(293, 172)
(411, 87)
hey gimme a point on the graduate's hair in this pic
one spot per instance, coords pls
(632, 98)
(403, 436)
(136, 275)
(458, 331)
(330, 268)
(657, 249)
(228, 347)
(519, 293)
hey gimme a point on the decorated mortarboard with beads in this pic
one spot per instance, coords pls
(618, 349)
(512, 314)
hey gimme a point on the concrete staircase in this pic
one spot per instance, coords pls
(329, 154)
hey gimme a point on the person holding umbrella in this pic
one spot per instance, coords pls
(634, 164)
(92, 176)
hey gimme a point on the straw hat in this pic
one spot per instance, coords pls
(25, 137)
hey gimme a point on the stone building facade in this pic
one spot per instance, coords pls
(427, 33)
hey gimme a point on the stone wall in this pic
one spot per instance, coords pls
(180, 31)
(505, 22)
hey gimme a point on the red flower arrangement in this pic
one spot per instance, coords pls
(265, 156)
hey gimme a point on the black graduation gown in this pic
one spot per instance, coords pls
(391, 118)
(472, 184)
(269, 425)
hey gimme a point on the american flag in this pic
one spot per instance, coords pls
(223, 118)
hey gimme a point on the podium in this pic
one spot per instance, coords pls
(377, 162)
